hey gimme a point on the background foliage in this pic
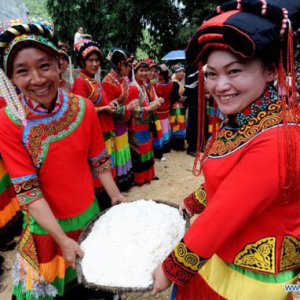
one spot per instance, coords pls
(150, 28)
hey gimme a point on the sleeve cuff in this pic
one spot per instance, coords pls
(196, 201)
(181, 264)
(27, 189)
(101, 163)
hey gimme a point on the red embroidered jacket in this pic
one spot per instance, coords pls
(244, 218)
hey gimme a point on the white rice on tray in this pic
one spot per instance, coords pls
(129, 241)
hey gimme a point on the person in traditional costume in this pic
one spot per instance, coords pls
(64, 63)
(153, 71)
(177, 115)
(166, 90)
(89, 56)
(52, 146)
(116, 86)
(140, 139)
(245, 242)
(155, 126)
(11, 217)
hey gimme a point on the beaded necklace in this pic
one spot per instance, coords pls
(14, 104)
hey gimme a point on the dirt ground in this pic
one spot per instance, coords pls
(175, 182)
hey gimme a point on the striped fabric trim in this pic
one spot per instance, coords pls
(70, 224)
(9, 212)
(221, 277)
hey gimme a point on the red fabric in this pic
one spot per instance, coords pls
(251, 210)
(146, 147)
(219, 20)
(196, 289)
(193, 204)
(89, 88)
(65, 175)
(5, 196)
(47, 248)
(139, 114)
(145, 176)
(116, 88)
(2, 102)
(163, 90)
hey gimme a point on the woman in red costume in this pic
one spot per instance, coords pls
(89, 56)
(245, 242)
(116, 86)
(52, 145)
(139, 131)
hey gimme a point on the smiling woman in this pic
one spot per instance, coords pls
(36, 73)
(234, 82)
(89, 56)
(242, 245)
(42, 134)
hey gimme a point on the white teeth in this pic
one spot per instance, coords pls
(226, 98)
(41, 92)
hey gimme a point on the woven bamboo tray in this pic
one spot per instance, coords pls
(85, 233)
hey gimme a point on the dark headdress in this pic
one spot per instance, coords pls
(64, 49)
(85, 47)
(248, 28)
(16, 33)
(178, 67)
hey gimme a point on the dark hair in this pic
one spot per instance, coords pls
(81, 62)
(164, 74)
(141, 65)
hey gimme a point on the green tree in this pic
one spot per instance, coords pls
(120, 23)
(194, 14)
(37, 8)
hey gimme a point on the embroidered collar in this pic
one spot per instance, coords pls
(239, 129)
(37, 108)
(248, 113)
(116, 77)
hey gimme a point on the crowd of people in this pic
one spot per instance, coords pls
(71, 148)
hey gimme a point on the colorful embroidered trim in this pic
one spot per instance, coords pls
(101, 163)
(196, 201)
(39, 133)
(95, 96)
(290, 253)
(27, 188)
(259, 256)
(181, 264)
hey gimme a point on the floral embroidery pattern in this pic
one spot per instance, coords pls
(258, 256)
(96, 95)
(196, 201)
(181, 264)
(260, 116)
(39, 133)
(27, 188)
(101, 163)
(290, 253)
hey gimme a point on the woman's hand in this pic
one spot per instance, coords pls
(161, 100)
(133, 104)
(161, 282)
(183, 208)
(119, 198)
(70, 249)
(153, 106)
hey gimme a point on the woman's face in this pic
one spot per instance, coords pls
(142, 74)
(235, 83)
(180, 74)
(92, 64)
(125, 68)
(63, 63)
(36, 74)
(153, 73)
